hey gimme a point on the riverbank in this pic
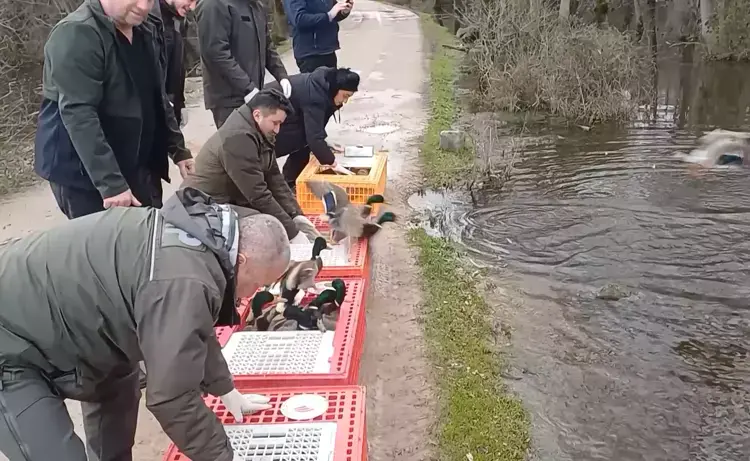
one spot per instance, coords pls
(479, 419)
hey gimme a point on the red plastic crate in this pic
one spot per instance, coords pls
(346, 408)
(223, 334)
(342, 367)
(357, 255)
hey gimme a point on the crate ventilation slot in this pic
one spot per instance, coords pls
(279, 352)
(283, 442)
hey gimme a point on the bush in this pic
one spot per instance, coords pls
(24, 28)
(535, 61)
(729, 38)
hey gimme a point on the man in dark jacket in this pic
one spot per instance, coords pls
(237, 164)
(315, 31)
(236, 49)
(315, 97)
(84, 302)
(169, 17)
(106, 128)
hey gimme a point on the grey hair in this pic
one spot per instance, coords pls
(264, 241)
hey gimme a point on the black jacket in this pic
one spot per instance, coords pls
(305, 130)
(90, 122)
(173, 29)
(236, 49)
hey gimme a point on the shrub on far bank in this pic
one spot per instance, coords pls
(534, 61)
(729, 38)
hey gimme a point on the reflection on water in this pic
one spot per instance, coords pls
(663, 374)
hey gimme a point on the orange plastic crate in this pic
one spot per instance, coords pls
(303, 358)
(358, 187)
(346, 410)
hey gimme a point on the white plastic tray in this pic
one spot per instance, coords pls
(279, 352)
(287, 442)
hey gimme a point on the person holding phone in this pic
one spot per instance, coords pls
(315, 31)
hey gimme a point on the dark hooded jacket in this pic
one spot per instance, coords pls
(124, 285)
(305, 130)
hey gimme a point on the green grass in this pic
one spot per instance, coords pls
(477, 415)
(442, 168)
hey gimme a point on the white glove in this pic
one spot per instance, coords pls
(299, 238)
(237, 457)
(239, 405)
(286, 86)
(250, 95)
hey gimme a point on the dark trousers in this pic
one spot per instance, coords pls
(221, 114)
(295, 163)
(310, 63)
(35, 424)
(74, 202)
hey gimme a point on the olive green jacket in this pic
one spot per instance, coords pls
(237, 165)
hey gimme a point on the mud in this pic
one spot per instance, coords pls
(384, 44)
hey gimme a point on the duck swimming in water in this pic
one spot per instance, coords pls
(345, 218)
(721, 148)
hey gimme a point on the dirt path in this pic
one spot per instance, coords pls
(384, 44)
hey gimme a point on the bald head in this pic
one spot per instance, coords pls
(263, 252)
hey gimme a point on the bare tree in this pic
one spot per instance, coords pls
(565, 9)
(707, 9)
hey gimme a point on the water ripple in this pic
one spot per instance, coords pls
(663, 374)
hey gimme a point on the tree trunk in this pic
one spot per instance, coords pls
(565, 9)
(652, 27)
(706, 11)
(638, 17)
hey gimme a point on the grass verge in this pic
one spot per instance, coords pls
(441, 168)
(479, 419)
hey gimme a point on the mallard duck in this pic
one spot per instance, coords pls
(259, 301)
(325, 306)
(345, 218)
(330, 299)
(300, 275)
(719, 148)
(306, 318)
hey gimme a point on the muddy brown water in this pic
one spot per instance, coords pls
(664, 373)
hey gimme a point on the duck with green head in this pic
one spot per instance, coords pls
(327, 304)
(347, 219)
(300, 275)
(263, 319)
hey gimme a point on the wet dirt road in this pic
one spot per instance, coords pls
(384, 44)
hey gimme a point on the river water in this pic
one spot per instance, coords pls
(664, 373)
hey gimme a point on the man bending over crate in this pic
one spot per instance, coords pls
(83, 303)
(237, 164)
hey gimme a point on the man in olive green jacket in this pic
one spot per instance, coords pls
(237, 164)
(83, 303)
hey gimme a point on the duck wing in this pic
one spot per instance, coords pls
(334, 197)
